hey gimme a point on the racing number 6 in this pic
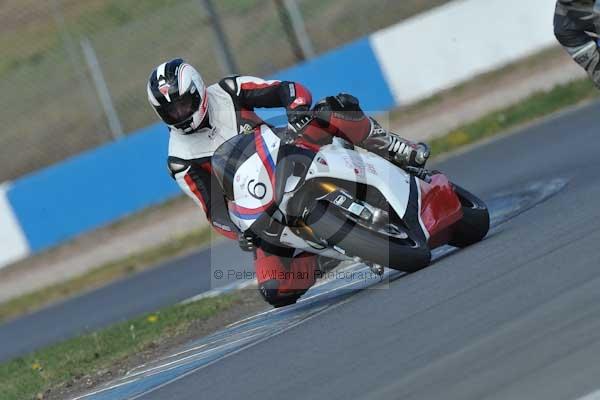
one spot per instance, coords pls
(257, 190)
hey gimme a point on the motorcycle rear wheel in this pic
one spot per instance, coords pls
(475, 223)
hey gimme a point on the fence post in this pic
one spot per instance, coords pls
(223, 48)
(73, 55)
(102, 89)
(301, 39)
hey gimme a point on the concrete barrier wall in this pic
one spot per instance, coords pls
(445, 46)
(13, 244)
(354, 68)
(93, 189)
(396, 66)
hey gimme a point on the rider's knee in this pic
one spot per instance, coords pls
(342, 116)
(282, 280)
(272, 293)
(570, 29)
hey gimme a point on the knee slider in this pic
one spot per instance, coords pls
(270, 291)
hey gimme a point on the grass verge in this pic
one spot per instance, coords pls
(536, 106)
(32, 376)
(102, 275)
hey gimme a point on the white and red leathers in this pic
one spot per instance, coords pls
(231, 104)
(196, 132)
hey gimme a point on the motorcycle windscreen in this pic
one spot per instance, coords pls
(227, 159)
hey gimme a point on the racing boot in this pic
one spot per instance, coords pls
(327, 264)
(392, 147)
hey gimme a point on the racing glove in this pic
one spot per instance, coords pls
(247, 242)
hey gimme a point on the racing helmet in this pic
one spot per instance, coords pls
(177, 93)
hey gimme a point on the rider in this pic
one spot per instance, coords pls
(576, 26)
(201, 118)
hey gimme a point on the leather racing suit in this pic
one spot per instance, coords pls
(231, 111)
(576, 26)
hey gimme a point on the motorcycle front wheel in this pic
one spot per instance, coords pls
(393, 249)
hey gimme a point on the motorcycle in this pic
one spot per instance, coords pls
(342, 202)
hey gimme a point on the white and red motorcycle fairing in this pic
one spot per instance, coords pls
(343, 202)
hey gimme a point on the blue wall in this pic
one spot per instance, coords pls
(103, 185)
(352, 68)
(93, 189)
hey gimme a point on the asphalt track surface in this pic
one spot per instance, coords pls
(514, 317)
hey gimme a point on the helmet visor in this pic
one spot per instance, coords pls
(180, 109)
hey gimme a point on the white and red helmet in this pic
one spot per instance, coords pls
(178, 95)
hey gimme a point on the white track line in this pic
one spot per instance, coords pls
(249, 345)
(592, 396)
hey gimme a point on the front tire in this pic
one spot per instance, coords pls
(475, 223)
(403, 254)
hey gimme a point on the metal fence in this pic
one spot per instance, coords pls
(73, 72)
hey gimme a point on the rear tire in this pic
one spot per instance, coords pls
(408, 255)
(475, 223)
